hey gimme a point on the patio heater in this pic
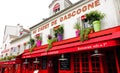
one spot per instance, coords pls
(63, 58)
(36, 61)
(96, 53)
(26, 62)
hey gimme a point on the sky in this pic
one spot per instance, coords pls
(23, 12)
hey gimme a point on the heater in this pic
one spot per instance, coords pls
(96, 53)
(62, 58)
(26, 62)
(36, 61)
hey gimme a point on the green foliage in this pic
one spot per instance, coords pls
(50, 41)
(55, 33)
(8, 58)
(60, 30)
(84, 34)
(94, 15)
(32, 43)
(38, 37)
(77, 26)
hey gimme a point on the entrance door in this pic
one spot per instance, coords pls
(3, 70)
(53, 65)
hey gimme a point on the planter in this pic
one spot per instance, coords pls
(59, 37)
(96, 25)
(77, 33)
(39, 42)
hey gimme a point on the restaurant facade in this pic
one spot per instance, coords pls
(88, 51)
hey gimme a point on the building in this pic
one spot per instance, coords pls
(14, 43)
(89, 52)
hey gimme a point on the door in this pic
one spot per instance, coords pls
(53, 65)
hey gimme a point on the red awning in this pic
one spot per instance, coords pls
(11, 62)
(99, 40)
(72, 48)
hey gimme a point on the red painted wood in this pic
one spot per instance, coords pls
(116, 59)
(90, 63)
(73, 48)
(101, 65)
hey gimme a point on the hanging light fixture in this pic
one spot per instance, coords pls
(62, 58)
(26, 62)
(96, 53)
(36, 61)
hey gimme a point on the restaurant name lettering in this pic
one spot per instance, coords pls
(69, 15)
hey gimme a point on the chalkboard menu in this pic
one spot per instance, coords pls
(65, 64)
(44, 63)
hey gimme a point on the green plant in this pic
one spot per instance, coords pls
(38, 37)
(77, 26)
(32, 43)
(84, 34)
(94, 15)
(60, 30)
(50, 41)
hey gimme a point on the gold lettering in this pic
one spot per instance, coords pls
(73, 13)
(61, 19)
(84, 8)
(54, 22)
(97, 3)
(65, 17)
(78, 11)
(69, 15)
(90, 6)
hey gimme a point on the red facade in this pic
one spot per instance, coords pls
(99, 54)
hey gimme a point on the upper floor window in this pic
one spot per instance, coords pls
(56, 8)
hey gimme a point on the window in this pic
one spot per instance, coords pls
(56, 8)
(44, 62)
(76, 61)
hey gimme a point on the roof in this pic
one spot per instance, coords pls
(25, 30)
(57, 0)
(13, 36)
(20, 37)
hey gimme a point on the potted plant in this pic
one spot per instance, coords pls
(59, 32)
(32, 44)
(94, 18)
(38, 40)
(77, 27)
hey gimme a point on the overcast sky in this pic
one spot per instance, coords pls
(23, 12)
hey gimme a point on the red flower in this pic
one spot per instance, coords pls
(83, 17)
(37, 35)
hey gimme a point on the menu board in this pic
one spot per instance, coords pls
(44, 63)
(65, 64)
